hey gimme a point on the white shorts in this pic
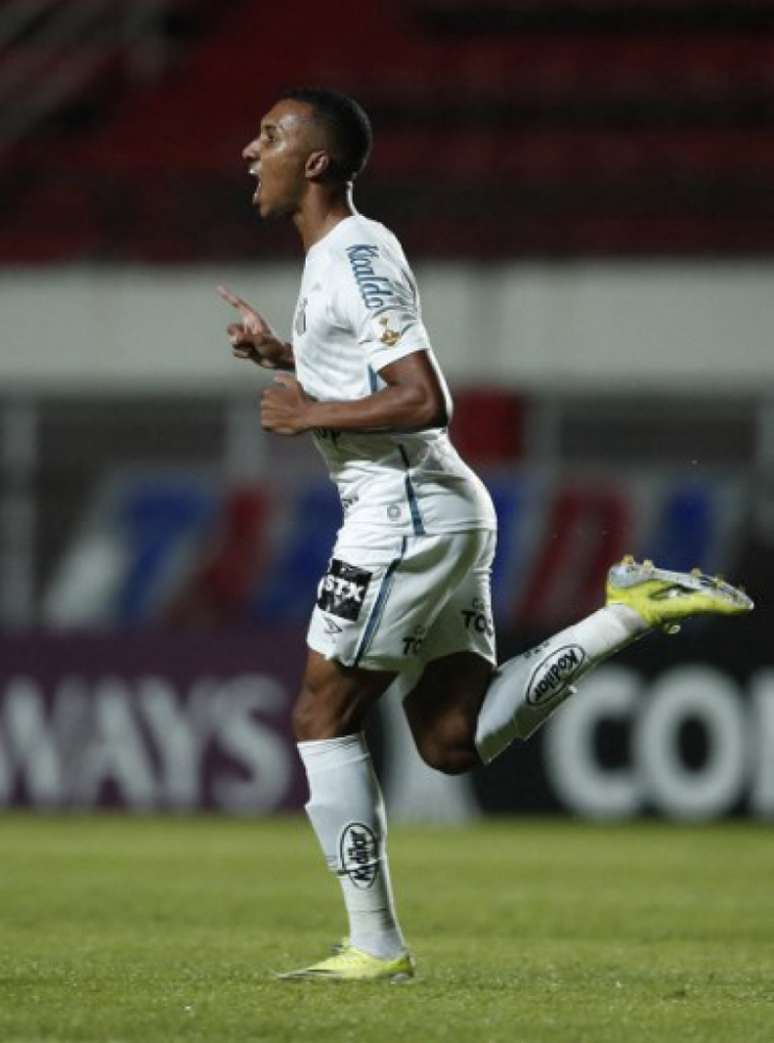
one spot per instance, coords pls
(396, 603)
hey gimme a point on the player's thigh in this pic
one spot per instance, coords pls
(335, 699)
(442, 709)
(459, 658)
(464, 622)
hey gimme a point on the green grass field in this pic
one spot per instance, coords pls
(119, 929)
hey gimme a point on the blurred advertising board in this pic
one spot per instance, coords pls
(147, 721)
(171, 643)
(171, 546)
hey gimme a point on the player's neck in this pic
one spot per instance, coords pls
(321, 211)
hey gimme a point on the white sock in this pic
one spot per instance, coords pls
(526, 690)
(347, 812)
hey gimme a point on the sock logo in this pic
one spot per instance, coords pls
(343, 589)
(359, 855)
(552, 675)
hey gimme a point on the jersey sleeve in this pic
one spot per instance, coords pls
(378, 300)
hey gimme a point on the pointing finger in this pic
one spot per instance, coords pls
(227, 295)
(233, 300)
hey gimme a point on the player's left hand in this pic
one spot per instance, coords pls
(284, 407)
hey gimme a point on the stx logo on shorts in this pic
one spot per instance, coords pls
(359, 855)
(552, 676)
(343, 589)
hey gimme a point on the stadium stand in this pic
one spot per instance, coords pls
(504, 128)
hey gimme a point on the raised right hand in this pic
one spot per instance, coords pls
(253, 338)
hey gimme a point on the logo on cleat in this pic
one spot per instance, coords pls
(552, 675)
(359, 855)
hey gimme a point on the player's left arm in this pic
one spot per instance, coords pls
(415, 398)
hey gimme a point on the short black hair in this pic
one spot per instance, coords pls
(349, 126)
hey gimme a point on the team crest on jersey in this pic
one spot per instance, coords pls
(343, 589)
(299, 323)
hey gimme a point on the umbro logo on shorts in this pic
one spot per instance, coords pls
(343, 589)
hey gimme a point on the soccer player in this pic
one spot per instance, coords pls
(407, 593)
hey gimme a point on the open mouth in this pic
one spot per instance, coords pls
(255, 173)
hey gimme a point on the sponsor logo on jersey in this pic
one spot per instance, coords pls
(554, 673)
(376, 290)
(359, 854)
(342, 590)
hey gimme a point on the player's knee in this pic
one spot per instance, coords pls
(448, 758)
(313, 722)
(312, 717)
(305, 720)
(322, 712)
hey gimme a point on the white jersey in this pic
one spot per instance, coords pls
(357, 312)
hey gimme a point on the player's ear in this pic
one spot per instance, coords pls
(318, 164)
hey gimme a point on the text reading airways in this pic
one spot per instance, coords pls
(144, 743)
(222, 744)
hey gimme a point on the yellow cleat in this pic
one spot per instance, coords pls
(663, 599)
(350, 964)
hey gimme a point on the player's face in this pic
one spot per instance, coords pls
(278, 157)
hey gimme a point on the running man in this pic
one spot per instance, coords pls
(412, 560)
